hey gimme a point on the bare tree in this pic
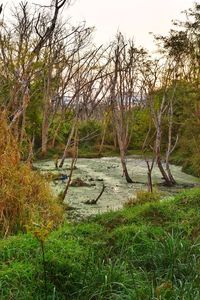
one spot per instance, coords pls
(159, 79)
(20, 54)
(124, 93)
(86, 88)
(73, 161)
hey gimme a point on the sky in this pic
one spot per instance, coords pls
(134, 18)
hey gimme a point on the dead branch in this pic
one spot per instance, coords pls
(94, 201)
(49, 30)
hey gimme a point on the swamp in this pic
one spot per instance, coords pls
(99, 150)
(96, 171)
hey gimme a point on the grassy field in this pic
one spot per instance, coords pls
(148, 251)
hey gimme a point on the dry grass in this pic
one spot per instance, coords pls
(143, 197)
(25, 196)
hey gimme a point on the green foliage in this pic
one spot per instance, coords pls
(89, 132)
(150, 251)
(139, 128)
(187, 121)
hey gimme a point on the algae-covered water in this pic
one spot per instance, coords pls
(108, 170)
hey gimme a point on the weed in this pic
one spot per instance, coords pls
(143, 197)
(24, 195)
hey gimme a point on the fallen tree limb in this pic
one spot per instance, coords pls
(94, 201)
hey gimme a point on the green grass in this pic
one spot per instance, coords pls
(91, 151)
(83, 152)
(148, 251)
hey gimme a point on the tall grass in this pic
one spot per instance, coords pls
(149, 251)
(24, 195)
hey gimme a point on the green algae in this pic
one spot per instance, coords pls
(108, 170)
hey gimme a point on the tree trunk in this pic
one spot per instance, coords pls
(122, 145)
(102, 141)
(45, 121)
(163, 172)
(170, 176)
(128, 178)
(115, 139)
(170, 148)
(55, 135)
(123, 162)
(45, 132)
(67, 145)
(150, 184)
(158, 151)
(22, 127)
(149, 175)
(73, 162)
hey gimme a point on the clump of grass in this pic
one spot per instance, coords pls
(24, 195)
(143, 197)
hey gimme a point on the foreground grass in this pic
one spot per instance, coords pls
(149, 251)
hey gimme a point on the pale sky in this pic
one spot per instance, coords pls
(134, 18)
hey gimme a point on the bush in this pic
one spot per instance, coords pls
(25, 196)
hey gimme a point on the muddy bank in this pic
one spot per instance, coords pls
(107, 171)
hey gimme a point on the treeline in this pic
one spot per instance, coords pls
(63, 94)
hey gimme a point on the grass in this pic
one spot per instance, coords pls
(84, 152)
(148, 251)
(143, 197)
(25, 196)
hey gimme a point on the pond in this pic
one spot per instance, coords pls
(108, 171)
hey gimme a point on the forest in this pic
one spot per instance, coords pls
(82, 125)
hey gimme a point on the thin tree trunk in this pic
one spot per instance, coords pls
(23, 127)
(169, 147)
(45, 132)
(73, 162)
(163, 172)
(118, 119)
(102, 141)
(45, 121)
(145, 146)
(158, 150)
(149, 174)
(67, 145)
(122, 144)
(123, 162)
(115, 139)
(150, 184)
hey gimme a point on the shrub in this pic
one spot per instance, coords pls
(24, 195)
